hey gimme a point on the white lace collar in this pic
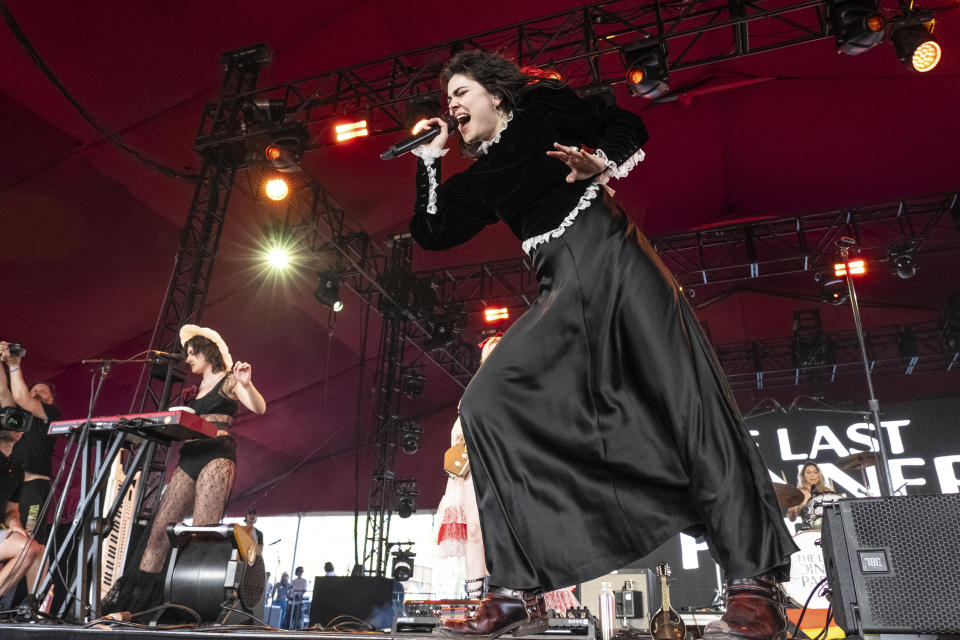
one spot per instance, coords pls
(486, 144)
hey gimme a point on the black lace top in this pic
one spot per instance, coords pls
(513, 179)
(217, 402)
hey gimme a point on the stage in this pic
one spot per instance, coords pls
(16, 631)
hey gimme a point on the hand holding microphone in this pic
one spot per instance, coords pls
(434, 131)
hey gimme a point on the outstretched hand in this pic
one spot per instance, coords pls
(582, 165)
(242, 372)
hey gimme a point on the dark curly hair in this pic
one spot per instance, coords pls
(209, 350)
(499, 76)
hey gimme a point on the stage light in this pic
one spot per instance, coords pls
(411, 435)
(857, 25)
(903, 260)
(495, 314)
(645, 68)
(276, 188)
(327, 292)
(285, 154)
(916, 47)
(350, 130)
(278, 258)
(834, 291)
(412, 381)
(402, 565)
(407, 493)
(857, 268)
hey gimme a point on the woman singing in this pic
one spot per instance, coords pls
(204, 476)
(601, 425)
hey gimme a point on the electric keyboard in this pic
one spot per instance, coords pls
(162, 425)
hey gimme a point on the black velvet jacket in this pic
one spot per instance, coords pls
(515, 181)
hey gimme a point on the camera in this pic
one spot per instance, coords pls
(16, 349)
(15, 419)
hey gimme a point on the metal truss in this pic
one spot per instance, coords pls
(738, 252)
(193, 265)
(893, 350)
(581, 44)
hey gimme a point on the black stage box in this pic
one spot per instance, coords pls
(893, 564)
(365, 598)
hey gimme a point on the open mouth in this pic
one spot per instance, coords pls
(463, 119)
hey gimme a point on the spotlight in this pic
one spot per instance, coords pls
(834, 291)
(278, 258)
(645, 66)
(857, 25)
(402, 565)
(903, 261)
(443, 332)
(285, 154)
(327, 292)
(268, 111)
(350, 130)
(407, 493)
(411, 435)
(412, 381)
(276, 188)
(916, 47)
(495, 314)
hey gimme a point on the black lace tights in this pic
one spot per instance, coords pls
(207, 497)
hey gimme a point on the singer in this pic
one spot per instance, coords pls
(602, 425)
(204, 476)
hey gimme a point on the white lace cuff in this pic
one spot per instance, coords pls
(613, 171)
(428, 155)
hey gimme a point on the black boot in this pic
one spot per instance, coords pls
(755, 611)
(134, 592)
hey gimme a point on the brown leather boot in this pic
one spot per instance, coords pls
(502, 611)
(755, 611)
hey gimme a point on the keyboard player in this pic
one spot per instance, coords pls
(204, 475)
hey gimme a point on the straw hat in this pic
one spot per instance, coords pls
(188, 331)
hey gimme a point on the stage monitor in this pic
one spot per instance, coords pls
(338, 600)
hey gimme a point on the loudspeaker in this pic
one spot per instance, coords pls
(893, 564)
(365, 598)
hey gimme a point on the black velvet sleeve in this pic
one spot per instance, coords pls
(591, 122)
(459, 214)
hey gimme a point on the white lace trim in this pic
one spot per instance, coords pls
(486, 144)
(428, 155)
(612, 171)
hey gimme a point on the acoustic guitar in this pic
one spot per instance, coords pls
(666, 623)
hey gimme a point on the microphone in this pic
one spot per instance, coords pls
(411, 143)
(166, 354)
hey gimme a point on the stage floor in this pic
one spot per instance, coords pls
(17, 631)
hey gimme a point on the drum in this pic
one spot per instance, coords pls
(806, 570)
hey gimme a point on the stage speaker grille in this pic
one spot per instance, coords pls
(893, 564)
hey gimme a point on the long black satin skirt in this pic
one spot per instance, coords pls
(602, 425)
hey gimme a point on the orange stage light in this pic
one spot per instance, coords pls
(495, 314)
(274, 152)
(350, 130)
(857, 268)
(635, 76)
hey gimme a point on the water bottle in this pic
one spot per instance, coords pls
(607, 612)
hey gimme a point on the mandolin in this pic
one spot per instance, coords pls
(666, 623)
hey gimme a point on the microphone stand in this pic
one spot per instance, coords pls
(883, 470)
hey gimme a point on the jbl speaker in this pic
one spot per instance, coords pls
(893, 564)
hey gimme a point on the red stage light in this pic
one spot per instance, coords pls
(273, 152)
(536, 72)
(350, 130)
(495, 314)
(857, 268)
(635, 76)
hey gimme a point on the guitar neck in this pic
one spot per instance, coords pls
(665, 591)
